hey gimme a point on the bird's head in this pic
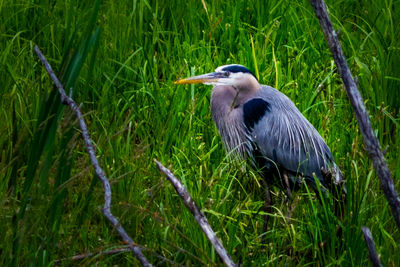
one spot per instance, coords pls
(237, 76)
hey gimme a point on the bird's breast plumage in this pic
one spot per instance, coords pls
(229, 121)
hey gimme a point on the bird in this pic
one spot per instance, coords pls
(260, 123)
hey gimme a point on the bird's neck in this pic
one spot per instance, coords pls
(244, 94)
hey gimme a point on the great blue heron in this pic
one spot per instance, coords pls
(261, 123)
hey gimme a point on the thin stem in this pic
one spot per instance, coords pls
(67, 100)
(198, 215)
(370, 140)
(373, 255)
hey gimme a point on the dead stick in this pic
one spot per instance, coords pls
(373, 255)
(370, 140)
(121, 249)
(99, 171)
(91, 254)
(198, 215)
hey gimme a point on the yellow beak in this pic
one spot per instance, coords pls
(204, 78)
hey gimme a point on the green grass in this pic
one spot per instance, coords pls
(121, 62)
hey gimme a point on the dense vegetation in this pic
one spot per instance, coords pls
(120, 58)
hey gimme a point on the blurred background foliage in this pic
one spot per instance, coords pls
(120, 58)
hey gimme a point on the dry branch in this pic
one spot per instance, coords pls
(373, 255)
(198, 215)
(91, 254)
(370, 140)
(117, 250)
(99, 171)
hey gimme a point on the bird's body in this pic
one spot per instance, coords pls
(270, 130)
(263, 124)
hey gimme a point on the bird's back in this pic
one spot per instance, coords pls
(285, 139)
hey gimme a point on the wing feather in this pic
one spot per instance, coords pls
(285, 136)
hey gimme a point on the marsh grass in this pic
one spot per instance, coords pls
(121, 61)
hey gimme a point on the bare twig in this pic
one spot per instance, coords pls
(370, 140)
(373, 255)
(116, 250)
(91, 254)
(99, 171)
(198, 215)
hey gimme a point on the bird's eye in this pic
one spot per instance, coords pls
(227, 73)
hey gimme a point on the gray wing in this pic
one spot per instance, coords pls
(284, 136)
